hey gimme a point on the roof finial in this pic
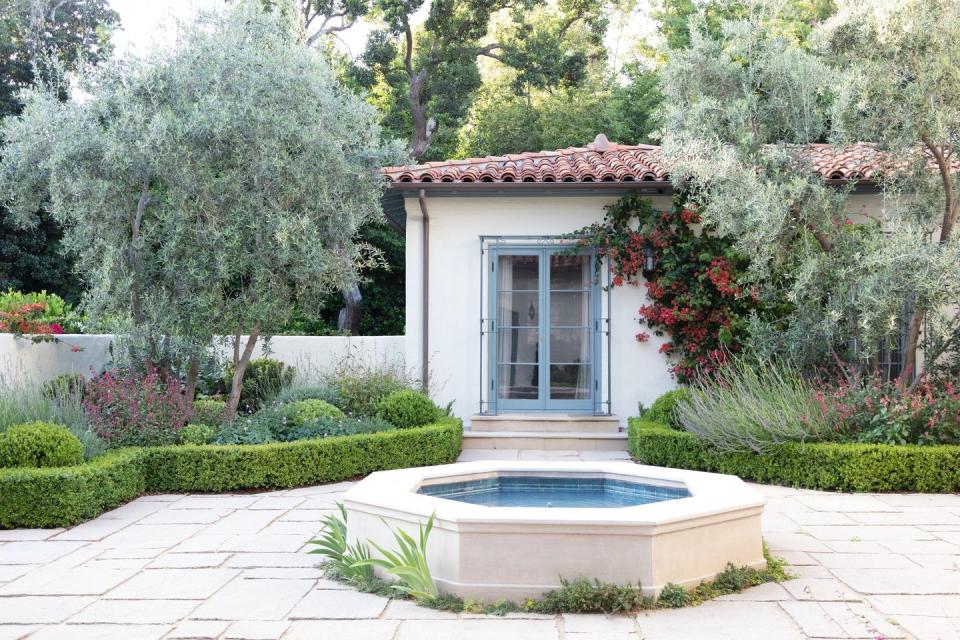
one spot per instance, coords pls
(600, 143)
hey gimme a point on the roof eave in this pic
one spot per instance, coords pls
(567, 187)
(664, 187)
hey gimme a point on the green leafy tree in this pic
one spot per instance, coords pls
(503, 121)
(208, 188)
(381, 285)
(739, 109)
(423, 80)
(43, 37)
(326, 17)
(323, 20)
(793, 18)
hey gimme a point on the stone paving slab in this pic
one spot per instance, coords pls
(174, 584)
(101, 632)
(77, 581)
(143, 611)
(343, 630)
(235, 566)
(478, 629)
(926, 628)
(257, 599)
(721, 621)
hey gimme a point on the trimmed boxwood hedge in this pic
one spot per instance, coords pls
(60, 496)
(63, 496)
(282, 465)
(822, 465)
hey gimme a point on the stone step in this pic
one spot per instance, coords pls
(545, 440)
(539, 422)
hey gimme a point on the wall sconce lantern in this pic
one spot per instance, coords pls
(649, 259)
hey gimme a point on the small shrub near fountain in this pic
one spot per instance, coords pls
(664, 408)
(407, 408)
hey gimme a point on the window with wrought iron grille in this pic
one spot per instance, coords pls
(892, 351)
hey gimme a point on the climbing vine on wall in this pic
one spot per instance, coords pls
(694, 293)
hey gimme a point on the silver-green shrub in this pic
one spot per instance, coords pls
(747, 406)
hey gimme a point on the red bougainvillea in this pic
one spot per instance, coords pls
(28, 319)
(694, 291)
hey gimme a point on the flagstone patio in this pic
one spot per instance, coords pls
(234, 566)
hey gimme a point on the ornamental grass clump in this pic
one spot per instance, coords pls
(746, 406)
(361, 385)
(127, 408)
(297, 392)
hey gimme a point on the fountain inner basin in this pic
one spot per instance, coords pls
(559, 492)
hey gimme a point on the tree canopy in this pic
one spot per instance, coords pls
(423, 80)
(739, 108)
(46, 38)
(207, 188)
(503, 121)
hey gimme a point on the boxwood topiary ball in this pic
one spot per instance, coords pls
(39, 444)
(306, 410)
(407, 409)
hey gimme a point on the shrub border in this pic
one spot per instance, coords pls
(64, 496)
(822, 465)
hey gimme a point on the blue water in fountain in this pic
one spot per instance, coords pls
(541, 491)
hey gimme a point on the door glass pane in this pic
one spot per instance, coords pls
(519, 309)
(570, 328)
(570, 272)
(519, 382)
(569, 346)
(519, 345)
(569, 309)
(518, 273)
(570, 382)
(520, 326)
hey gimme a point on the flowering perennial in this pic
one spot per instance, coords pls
(130, 409)
(879, 412)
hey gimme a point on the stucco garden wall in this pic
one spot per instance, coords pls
(23, 360)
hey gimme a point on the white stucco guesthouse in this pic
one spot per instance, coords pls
(505, 318)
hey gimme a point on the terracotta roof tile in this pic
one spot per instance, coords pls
(605, 161)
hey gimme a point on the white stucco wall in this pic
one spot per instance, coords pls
(23, 360)
(639, 372)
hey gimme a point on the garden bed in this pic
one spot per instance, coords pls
(830, 466)
(63, 496)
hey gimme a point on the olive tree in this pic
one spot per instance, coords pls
(898, 66)
(741, 109)
(210, 186)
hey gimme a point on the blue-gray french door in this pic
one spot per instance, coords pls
(544, 305)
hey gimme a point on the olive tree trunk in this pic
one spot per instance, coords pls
(241, 360)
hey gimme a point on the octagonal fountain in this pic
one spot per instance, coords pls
(512, 529)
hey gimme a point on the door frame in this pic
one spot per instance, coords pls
(543, 404)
